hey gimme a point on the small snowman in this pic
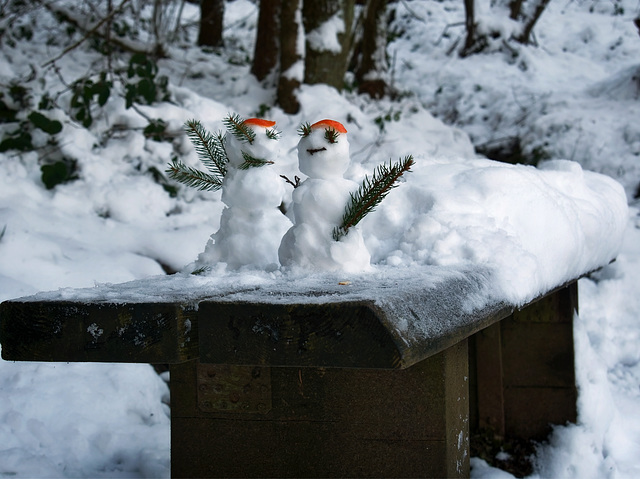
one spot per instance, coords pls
(252, 223)
(319, 204)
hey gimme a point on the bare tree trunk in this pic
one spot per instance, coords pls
(265, 58)
(328, 27)
(530, 20)
(515, 7)
(470, 26)
(372, 67)
(211, 16)
(291, 55)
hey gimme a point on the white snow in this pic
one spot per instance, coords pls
(318, 206)
(252, 224)
(325, 36)
(573, 97)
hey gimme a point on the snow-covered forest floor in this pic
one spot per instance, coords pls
(115, 218)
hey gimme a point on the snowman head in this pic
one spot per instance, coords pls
(323, 150)
(254, 137)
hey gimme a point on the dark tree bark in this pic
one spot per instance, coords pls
(325, 59)
(265, 58)
(372, 67)
(526, 12)
(291, 58)
(211, 15)
(529, 20)
(515, 7)
(471, 40)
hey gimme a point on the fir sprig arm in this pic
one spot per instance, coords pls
(371, 193)
(192, 177)
(209, 147)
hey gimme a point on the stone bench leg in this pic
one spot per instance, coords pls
(522, 369)
(243, 421)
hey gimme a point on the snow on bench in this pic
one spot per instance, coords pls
(463, 323)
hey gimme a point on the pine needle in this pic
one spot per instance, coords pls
(201, 270)
(371, 192)
(273, 134)
(252, 162)
(210, 148)
(331, 135)
(193, 178)
(235, 125)
(304, 130)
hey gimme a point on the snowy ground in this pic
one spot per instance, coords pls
(574, 96)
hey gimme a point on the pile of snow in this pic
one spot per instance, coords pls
(252, 223)
(537, 228)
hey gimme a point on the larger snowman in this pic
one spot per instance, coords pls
(252, 224)
(319, 203)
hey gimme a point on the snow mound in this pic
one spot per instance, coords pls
(536, 227)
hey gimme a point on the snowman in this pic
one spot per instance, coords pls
(319, 203)
(252, 223)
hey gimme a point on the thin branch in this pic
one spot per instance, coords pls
(294, 183)
(88, 34)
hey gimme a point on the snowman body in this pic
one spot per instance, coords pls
(318, 206)
(252, 224)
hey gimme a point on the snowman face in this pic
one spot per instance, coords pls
(324, 152)
(264, 144)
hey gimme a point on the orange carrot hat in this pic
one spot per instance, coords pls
(259, 122)
(334, 125)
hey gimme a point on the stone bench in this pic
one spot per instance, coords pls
(379, 378)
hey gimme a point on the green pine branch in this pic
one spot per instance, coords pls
(273, 134)
(193, 178)
(331, 135)
(209, 147)
(252, 162)
(304, 130)
(235, 125)
(371, 192)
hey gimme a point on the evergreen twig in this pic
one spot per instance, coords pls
(191, 177)
(304, 130)
(273, 134)
(371, 192)
(235, 124)
(331, 135)
(253, 162)
(209, 147)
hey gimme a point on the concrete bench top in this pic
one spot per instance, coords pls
(386, 321)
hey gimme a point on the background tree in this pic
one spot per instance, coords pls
(211, 16)
(328, 37)
(372, 65)
(266, 53)
(528, 13)
(291, 55)
(479, 38)
(471, 42)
